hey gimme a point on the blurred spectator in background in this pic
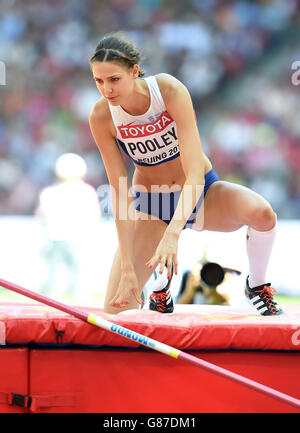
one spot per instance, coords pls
(70, 212)
(205, 283)
(235, 57)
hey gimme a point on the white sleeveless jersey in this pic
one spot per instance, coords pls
(150, 138)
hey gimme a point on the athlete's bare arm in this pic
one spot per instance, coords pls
(102, 130)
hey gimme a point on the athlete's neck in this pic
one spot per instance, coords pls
(140, 99)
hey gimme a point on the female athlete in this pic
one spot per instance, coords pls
(173, 187)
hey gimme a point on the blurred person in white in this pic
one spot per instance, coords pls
(70, 211)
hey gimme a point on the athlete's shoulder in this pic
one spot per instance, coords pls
(167, 80)
(100, 117)
(100, 111)
(169, 85)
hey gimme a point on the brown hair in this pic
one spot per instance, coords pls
(114, 47)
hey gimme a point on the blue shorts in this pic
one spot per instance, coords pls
(163, 205)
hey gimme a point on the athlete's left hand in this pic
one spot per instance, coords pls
(165, 254)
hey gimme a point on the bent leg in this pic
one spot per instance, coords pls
(147, 235)
(229, 206)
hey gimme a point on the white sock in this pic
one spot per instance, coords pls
(157, 281)
(162, 280)
(259, 248)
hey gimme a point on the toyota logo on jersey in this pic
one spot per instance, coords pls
(150, 143)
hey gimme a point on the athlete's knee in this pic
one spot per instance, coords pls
(263, 217)
(112, 310)
(108, 310)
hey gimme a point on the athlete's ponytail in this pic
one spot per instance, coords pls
(115, 47)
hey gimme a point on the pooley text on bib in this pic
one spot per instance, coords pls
(151, 143)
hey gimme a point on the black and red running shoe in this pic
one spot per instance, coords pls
(162, 300)
(261, 297)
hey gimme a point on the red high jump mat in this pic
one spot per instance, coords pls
(63, 364)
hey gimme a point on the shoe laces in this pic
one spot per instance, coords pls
(160, 298)
(267, 295)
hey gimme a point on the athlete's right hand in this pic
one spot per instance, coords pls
(127, 288)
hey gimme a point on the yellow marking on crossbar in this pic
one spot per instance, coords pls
(174, 353)
(92, 319)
